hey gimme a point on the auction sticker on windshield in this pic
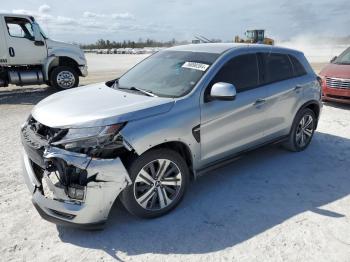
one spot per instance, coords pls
(195, 65)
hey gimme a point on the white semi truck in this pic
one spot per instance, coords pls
(28, 57)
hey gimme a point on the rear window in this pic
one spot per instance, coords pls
(298, 68)
(277, 67)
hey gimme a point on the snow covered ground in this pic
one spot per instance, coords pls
(271, 205)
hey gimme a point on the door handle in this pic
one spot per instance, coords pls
(12, 52)
(297, 88)
(259, 101)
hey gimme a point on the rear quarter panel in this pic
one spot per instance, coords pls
(312, 90)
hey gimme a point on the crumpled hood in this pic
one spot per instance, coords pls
(97, 105)
(336, 70)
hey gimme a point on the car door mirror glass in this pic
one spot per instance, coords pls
(223, 91)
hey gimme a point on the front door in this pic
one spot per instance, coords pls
(22, 48)
(228, 127)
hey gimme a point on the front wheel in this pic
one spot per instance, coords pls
(159, 180)
(302, 130)
(64, 77)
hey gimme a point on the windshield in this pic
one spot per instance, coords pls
(41, 31)
(168, 73)
(343, 58)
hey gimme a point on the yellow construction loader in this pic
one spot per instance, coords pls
(256, 36)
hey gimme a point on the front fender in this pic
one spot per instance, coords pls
(54, 55)
(173, 126)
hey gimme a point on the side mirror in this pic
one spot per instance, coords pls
(37, 34)
(333, 59)
(223, 91)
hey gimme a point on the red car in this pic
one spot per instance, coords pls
(336, 79)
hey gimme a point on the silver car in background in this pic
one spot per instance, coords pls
(177, 114)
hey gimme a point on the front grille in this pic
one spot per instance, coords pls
(337, 82)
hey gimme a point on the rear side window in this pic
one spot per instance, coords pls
(298, 68)
(277, 67)
(242, 71)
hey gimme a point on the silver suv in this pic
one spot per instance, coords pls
(144, 136)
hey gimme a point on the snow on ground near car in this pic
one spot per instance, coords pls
(271, 205)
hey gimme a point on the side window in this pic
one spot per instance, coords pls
(19, 27)
(29, 29)
(241, 71)
(299, 69)
(15, 30)
(277, 67)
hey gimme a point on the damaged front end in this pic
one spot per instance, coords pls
(75, 175)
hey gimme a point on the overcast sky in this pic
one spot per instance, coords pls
(85, 21)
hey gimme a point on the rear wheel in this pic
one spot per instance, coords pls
(302, 130)
(159, 180)
(64, 77)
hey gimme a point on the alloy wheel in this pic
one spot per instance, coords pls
(157, 184)
(304, 131)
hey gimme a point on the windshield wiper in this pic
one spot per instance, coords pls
(148, 93)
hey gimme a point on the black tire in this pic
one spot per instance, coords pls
(154, 157)
(72, 78)
(294, 142)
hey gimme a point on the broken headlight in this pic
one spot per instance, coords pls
(91, 137)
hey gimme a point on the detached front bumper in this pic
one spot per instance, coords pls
(106, 178)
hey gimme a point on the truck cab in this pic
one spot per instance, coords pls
(29, 57)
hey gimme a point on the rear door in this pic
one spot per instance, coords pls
(231, 126)
(284, 92)
(20, 41)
